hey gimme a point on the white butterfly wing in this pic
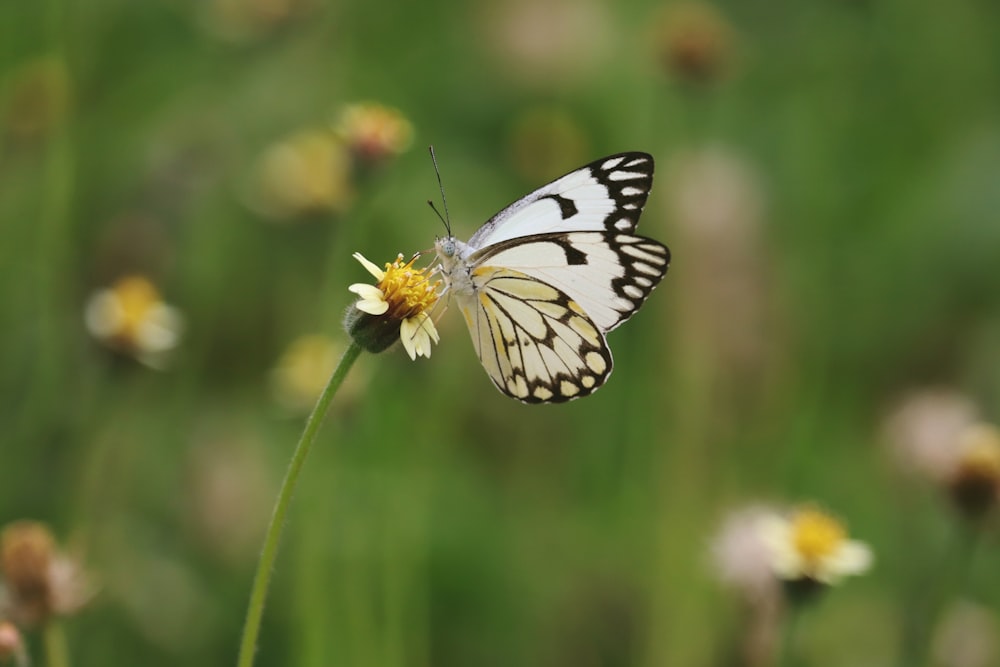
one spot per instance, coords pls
(536, 344)
(608, 274)
(543, 280)
(605, 195)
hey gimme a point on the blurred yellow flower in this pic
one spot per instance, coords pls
(307, 173)
(695, 42)
(38, 581)
(395, 307)
(130, 316)
(304, 369)
(812, 545)
(373, 132)
(975, 479)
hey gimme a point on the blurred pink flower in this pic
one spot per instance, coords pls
(923, 430)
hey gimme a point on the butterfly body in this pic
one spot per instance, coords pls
(543, 281)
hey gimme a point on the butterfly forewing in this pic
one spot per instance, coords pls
(608, 274)
(535, 342)
(605, 195)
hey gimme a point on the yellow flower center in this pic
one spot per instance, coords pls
(816, 535)
(137, 297)
(407, 290)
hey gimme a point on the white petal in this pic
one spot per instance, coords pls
(160, 330)
(853, 558)
(775, 534)
(372, 269)
(372, 306)
(366, 291)
(104, 314)
(408, 330)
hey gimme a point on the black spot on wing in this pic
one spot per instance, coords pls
(567, 208)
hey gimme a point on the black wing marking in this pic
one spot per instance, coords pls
(608, 274)
(605, 195)
(536, 343)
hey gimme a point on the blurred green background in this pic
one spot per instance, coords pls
(828, 180)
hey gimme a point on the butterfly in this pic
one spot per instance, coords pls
(543, 280)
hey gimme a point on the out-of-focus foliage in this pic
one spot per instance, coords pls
(827, 181)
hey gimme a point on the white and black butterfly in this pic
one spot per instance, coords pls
(543, 281)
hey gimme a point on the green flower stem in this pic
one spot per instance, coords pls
(54, 639)
(272, 538)
(787, 657)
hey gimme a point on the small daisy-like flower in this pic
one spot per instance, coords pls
(373, 132)
(38, 581)
(810, 545)
(131, 317)
(394, 308)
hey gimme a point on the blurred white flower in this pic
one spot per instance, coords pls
(548, 42)
(741, 557)
(923, 431)
(811, 545)
(131, 317)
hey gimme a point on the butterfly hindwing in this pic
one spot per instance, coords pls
(605, 195)
(535, 342)
(609, 275)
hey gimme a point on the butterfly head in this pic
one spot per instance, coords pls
(446, 247)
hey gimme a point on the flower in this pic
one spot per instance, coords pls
(742, 562)
(373, 132)
(812, 545)
(974, 482)
(395, 307)
(741, 558)
(923, 429)
(304, 174)
(939, 433)
(303, 371)
(131, 317)
(12, 645)
(39, 582)
(695, 43)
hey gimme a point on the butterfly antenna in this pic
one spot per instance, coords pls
(446, 219)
